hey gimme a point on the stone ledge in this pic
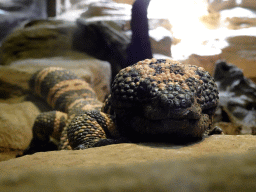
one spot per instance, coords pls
(124, 154)
(221, 172)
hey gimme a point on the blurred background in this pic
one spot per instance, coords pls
(193, 31)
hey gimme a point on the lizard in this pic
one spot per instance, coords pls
(154, 100)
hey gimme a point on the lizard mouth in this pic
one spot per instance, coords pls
(141, 128)
(170, 126)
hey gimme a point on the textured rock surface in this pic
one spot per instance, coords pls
(217, 5)
(37, 39)
(125, 1)
(229, 128)
(161, 43)
(16, 121)
(219, 163)
(220, 173)
(132, 153)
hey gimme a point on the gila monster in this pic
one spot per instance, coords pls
(152, 100)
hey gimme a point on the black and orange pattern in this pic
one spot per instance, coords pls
(163, 100)
(72, 98)
(152, 100)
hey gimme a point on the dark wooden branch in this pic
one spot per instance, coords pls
(51, 8)
(139, 48)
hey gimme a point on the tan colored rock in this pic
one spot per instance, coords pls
(16, 121)
(241, 52)
(125, 1)
(161, 40)
(37, 39)
(219, 163)
(248, 4)
(217, 5)
(132, 153)
(219, 173)
(205, 61)
(229, 128)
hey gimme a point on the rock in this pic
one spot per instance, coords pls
(241, 52)
(37, 39)
(228, 173)
(134, 153)
(16, 121)
(106, 8)
(75, 9)
(237, 96)
(229, 128)
(125, 1)
(217, 163)
(161, 43)
(220, 5)
(248, 4)
(217, 5)
(205, 61)
(13, 83)
(14, 12)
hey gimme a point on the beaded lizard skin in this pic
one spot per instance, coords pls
(152, 100)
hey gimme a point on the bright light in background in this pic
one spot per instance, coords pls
(184, 16)
(238, 2)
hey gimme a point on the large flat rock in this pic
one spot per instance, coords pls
(16, 121)
(218, 163)
(130, 153)
(214, 173)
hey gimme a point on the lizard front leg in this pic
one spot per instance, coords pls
(92, 129)
(47, 124)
